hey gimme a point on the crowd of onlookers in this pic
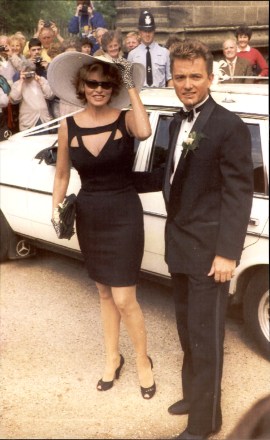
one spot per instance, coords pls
(26, 99)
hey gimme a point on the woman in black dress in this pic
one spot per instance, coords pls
(98, 142)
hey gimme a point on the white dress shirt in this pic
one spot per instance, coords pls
(160, 57)
(186, 128)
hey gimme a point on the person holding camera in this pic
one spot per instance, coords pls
(31, 92)
(85, 21)
(47, 32)
(6, 67)
(35, 58)
(39, 64)
(10, 73)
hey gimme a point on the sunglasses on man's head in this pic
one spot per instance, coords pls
(106, 85)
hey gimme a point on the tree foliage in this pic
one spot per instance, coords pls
(108, 10)
(23, 15)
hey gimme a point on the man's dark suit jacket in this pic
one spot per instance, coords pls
(242, 68)
(209, 201)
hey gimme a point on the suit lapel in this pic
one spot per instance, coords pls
(169, 162)
(183, 162)
(204, 115)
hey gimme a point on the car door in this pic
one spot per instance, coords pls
(40, 195)
(257, 234)
(152, 155)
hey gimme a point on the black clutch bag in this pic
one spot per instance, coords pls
(64, 228)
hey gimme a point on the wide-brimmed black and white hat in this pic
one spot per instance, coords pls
(64, 67)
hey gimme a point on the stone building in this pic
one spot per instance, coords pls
(210, 21)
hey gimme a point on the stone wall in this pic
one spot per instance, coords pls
(210, 21)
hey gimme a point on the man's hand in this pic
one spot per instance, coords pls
(54, 28)
(222, 269)
(78, 10)
(40, 26)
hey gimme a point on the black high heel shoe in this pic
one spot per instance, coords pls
(149, 392)
(105, 386)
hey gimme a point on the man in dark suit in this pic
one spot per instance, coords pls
(208, 189)
(234, 65)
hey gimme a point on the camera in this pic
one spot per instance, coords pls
(47, 23)
(38, 60)
(29, 74)
(84, 10)
(39, 67)
(3, 48)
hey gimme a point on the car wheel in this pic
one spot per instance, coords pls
(256, 309)
(5, 235)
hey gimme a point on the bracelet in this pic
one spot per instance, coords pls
(56, 214)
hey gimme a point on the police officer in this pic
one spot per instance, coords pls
(149, 53)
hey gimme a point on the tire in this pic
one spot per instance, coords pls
(256, 309)
(5, 236)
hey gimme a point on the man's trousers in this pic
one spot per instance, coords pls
(200, 306)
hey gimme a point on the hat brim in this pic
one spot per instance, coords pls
(64, 67)
(147, 28)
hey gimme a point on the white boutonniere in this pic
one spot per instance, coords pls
(192, 142)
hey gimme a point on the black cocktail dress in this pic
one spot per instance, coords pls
(109, 216)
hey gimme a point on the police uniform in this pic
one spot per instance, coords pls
(160, 56)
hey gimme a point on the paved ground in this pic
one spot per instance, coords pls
(52, 357)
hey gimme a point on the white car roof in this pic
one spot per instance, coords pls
(251, 99)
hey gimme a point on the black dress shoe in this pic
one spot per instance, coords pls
(179, 408)
(185, 435)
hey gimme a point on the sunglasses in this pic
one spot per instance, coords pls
(106, 85)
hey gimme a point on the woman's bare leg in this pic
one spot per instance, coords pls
(131, 313)
(111, 326)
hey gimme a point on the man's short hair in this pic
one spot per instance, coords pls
(34, 42)
(190, 50)
(232, 39)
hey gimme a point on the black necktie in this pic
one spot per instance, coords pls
(149, 76)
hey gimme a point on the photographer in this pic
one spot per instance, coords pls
(31, 92)
(10, 73)
(47, 32)
(6, 67)
(38, 63)
(85, 21)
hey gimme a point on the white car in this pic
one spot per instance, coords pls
(27, 164)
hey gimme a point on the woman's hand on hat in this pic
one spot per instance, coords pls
(125, 68)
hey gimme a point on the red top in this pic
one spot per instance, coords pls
(255, 58)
